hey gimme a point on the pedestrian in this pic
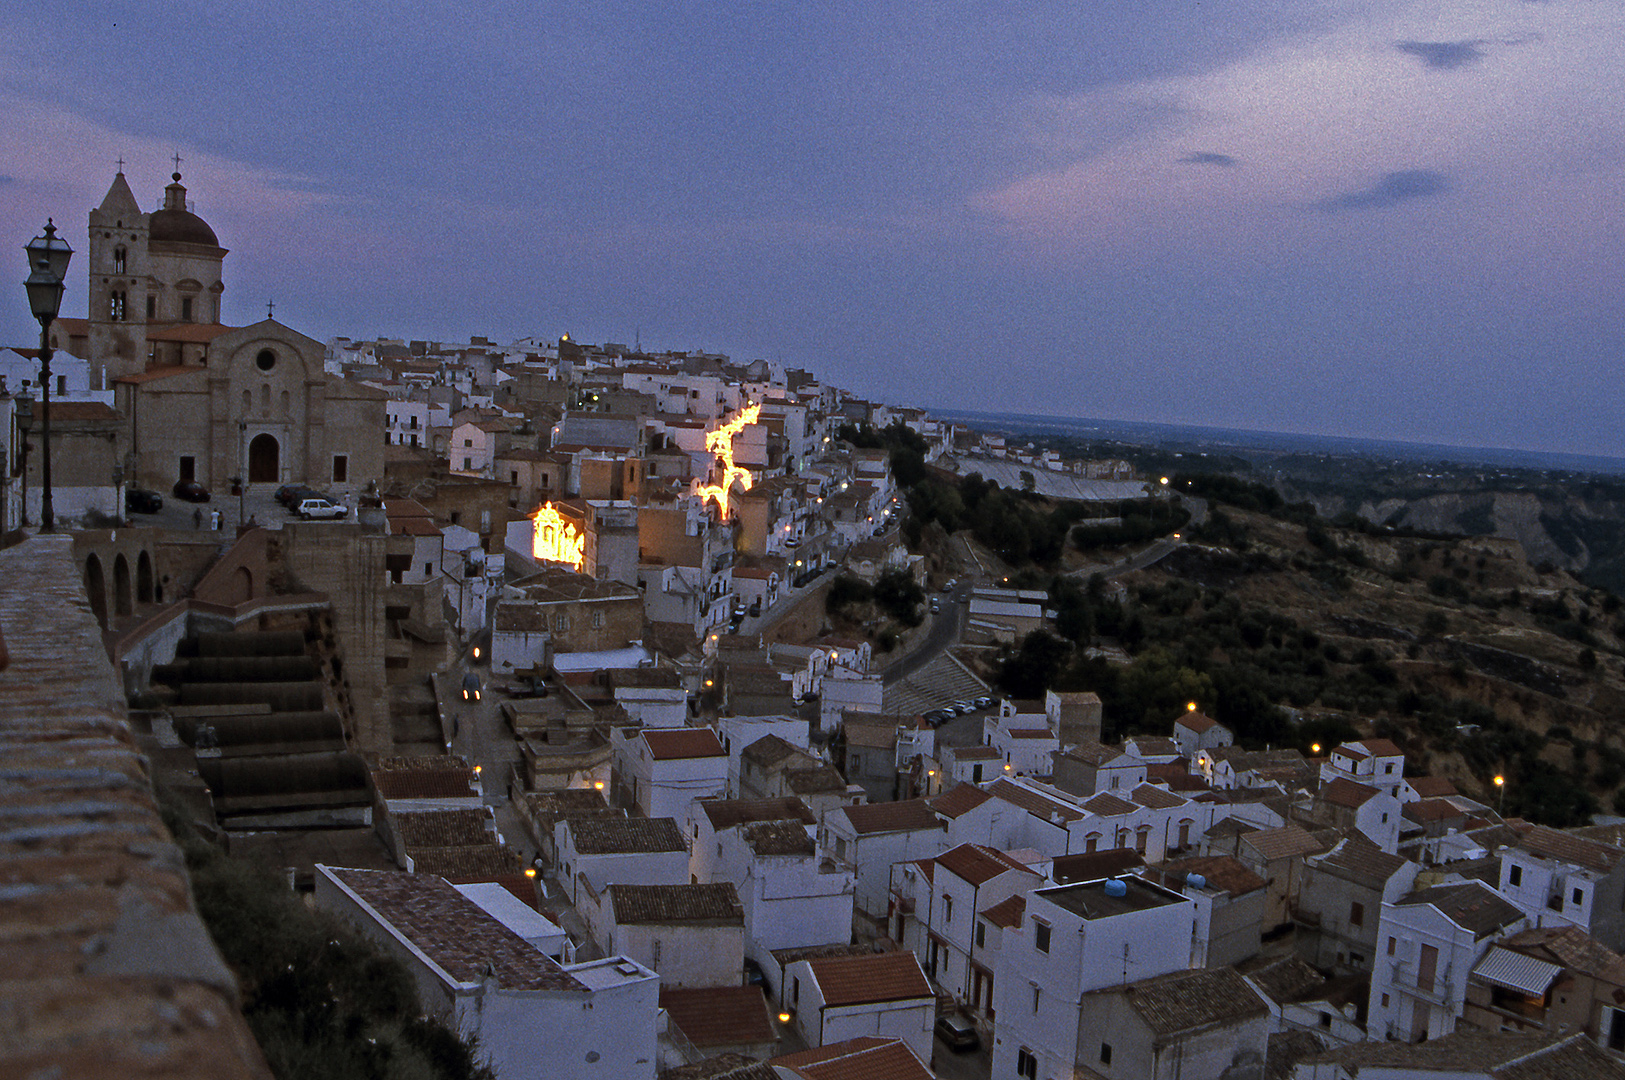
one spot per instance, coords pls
(197, 519)
(214, 520)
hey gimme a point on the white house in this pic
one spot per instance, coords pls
(1377, 762)
(1428, 943)
(487, 982)
(692, 935)
(845, 997)
(1557, 878)
(869, 838)
(1200, 1023)
(663, 770)
(594, 852)
(1195, 731)
(1074, 939)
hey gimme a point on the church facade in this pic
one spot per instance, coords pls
(201, 400)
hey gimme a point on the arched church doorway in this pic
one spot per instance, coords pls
(263, 463)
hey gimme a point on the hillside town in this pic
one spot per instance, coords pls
(517, 658)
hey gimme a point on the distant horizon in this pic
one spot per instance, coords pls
(1280, 441)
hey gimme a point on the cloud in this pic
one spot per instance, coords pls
(1445, 55)
(1205, 157)
(1393, 189)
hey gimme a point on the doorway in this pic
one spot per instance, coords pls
(264, 466)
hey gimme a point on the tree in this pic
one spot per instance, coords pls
(1028, 480)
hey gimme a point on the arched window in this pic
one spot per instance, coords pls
(118, 259)
(248, 401)
(265, 398)
(287, 401)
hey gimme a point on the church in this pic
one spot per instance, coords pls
(201, 400)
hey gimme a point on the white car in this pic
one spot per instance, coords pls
(320, 508)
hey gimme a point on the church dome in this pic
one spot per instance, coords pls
(177, 225)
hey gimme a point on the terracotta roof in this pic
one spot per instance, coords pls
(424, 778)
(1561, 846)
(1032, 802)
(1007, 912)
(958, 800)
(1431, 787)
(625, 836)
(1433, 810)
(977, 864)
(1094, 865)
(72, 411)
(1108, 805)
(877, 977)
(1030, 733)
(711, 903)
(904, 816)
(820, 778)
(1346, 792)
(1472, 905)
(770, 750)
(1197, 722)
(443, 828)
(669, 744)
(1224, 872)
(1183, 1002)
(778, 838)
(1093, 753)
(1359, 860)
(1156, 798)
(467, 863)
(1568, 946)
(1501, 1055)
(726, 813)
(973, 753)
(720, 1015)
(1288, 980)
(1282, 843)
(1382, 748)
(866, 1058)
(455, 932)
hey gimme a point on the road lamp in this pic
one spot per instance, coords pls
(1500, 786)
(48, 257)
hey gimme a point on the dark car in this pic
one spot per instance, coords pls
(957, 1030)
(291, 495)
(191, 491)
(755, 976)
(471, 686)
(142, 501)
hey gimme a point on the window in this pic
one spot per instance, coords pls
(1385, 1001)
(468, 463)
(188, 467)
(266, 360)
(1105, 1053)
(186, 309)
(1326, 1020)
(61, 386)
(981, 935)
(1093, 842)
(795, 990)
(428, 569)
(1388, 768)
(1116, 780)
(115, 306)
(1579, 896)
(1038, 994)
(1356, 914)
(561, 622)
(1515, 876)
(341, 468)
(152, 307)
(947, 909)
(119, 259)
(468, 442)
(1041, 936)
(598, 622)
(1391, 944)
(414, 423)
(1026, 1064)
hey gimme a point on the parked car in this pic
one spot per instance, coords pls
(983, 702)
(142, 501)
(191, 491)
(948, 587)
(320, 508)
(938, 717)
(935, 606)
(471, 686)
(957, 1030)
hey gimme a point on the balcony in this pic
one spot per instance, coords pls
(1437, 992)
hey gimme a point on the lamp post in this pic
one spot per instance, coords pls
(1501, 799)
(48, 257)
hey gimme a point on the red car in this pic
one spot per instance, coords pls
(191, 491)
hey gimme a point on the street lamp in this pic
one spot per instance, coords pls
(1501, 786)
(48, 257)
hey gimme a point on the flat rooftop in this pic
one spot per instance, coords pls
(1089, 900)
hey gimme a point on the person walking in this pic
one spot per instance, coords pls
(197, 519)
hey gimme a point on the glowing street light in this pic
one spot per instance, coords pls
(1501, 786)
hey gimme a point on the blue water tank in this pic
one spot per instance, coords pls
(1116, 888)
(1196, 881)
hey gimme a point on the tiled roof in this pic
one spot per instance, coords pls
(1155, 745)
(443, 828)
(1573, 1057)
(977, 864)
(1219, 871)
(668, 744)
(959, 800)
(624, 836)
(726, 813)
(1560, 846)
(905, 816)
(720, 1015)
(1094, 865)
(1346, 792)
(1034, 803)
(1424, 810)
(1007, 912)
(1197, 722)
(1093, 753)
(1568, 946)
(418, 783)
(1471, 905)
(1282, 843)
(876, 977)
(1287, 980)
(973, 753)
(1030, 733)
(778, 838)
(868, 1057)
(1108, 805)
(1502, 1055)
(1156, 798)
(467, 863)
(1381, 748)
(1358, 860)
(820, 778)
(1182, 1002)
(710, 903)
(1432, 787)
(455, 932)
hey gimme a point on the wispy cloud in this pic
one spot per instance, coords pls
(1445, 55)
(1391, 190)
(1206, 157)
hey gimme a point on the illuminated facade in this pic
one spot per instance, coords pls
(721, 443)
(558, 539)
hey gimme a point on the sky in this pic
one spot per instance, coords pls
(1391, 219)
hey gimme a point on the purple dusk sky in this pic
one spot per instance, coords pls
(1387, 218)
